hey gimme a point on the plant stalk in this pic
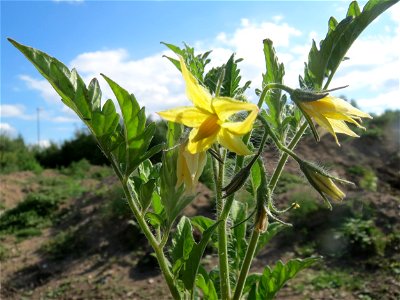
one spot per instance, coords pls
(162, 260)
(222, 236)
(244, 271)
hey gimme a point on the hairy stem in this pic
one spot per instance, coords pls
(222, 234)
(162, 260)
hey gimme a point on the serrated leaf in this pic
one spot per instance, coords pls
(272, 280)
(191, 266)
(323, 62)
(146, 193)
(85, 102)
(230, 85)
(207, 287)
(182, 240)
(274, 74)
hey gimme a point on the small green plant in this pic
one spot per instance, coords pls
(367, 177)
(364, 237)
(77, 169)
(65, 243)
(333, 279)
(218, 126)
(29, 215)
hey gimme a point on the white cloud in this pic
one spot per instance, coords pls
(154, 80)
(11, 110)
(381, 102)
(7, 129)
(157, 84)
(43, 87)
(43, 143)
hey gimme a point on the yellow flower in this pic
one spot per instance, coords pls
(189, 168)
(331, 113)
(323, 183)
(209, 118)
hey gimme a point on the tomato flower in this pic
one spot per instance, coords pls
(332, 114)
(189, 168)
(209, 118)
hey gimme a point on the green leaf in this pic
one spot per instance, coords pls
(173, 199)
(190, 269)
(85, 102)
(323, 62)
(274, 74)
(265, 237)
(146, 193)
(231, 83)
(273, 280)
(182, 241)
(68, 84)
(202, 223)
(238, 245)
(195, 63)
(251, 281)
(207, 287)
(137, 136)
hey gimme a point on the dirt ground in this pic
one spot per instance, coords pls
(116, 261)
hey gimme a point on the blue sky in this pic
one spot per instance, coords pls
(122, 40)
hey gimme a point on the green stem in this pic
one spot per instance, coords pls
(262, 193)
(284, 157)
(251, 250)
(222, 236)
(162, 260)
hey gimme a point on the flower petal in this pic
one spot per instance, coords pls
(189, 116)
(341, 127)
(232, 142)
(224, 107)
(331, 104)
(196, 93)
(200, 145)
(241, 128)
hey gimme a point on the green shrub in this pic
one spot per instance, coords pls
(82, 146)
(16, 156)
(367, 177)
(34, 212)
(363, 236)
(78, 169)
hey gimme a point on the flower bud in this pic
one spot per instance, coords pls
(322, 182)
(261, 223)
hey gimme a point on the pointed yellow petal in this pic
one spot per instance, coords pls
(195, 164)
(332, 104)
(200, 97)
(200, 145)
(232, 142)
(325, 123)
(225, 107)
(189, 116)
(341, 127)
(180, 168)
(241, 128)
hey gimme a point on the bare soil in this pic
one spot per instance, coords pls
(110, 258)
